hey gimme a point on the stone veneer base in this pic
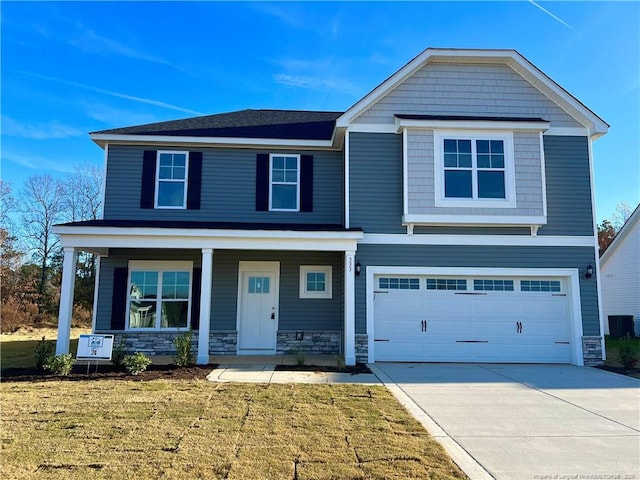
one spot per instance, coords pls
(309, 342)
(592, 351)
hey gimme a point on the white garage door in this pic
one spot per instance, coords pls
(471, 319)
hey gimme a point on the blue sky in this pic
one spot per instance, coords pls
(70, 68)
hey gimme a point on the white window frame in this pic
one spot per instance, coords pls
(509, 169)
(327, 270)
(184, 181)
(159, 267)
(272, 183)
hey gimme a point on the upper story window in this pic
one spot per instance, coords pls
(171, 179)
(284, 191)
(474, 169)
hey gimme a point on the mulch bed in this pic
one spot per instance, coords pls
(357, 368)
(632, 372)
(153, 372)
(109, 372)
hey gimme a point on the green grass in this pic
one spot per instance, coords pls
(612, 346)
(197, 429)
(20, 353)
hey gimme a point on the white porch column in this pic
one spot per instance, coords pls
(349, 308)
(66, 299)
(205, 306)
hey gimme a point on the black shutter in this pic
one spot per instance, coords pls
(195, 298)
(147, 191)
(119, 298)
(262, 182)
(306, 183)
(195, 181)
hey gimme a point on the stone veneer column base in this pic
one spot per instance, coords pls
(152, 343)
(223, 342)
(362, 348)
(592, 351)
(313, 342)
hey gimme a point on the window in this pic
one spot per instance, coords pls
(159, 295)
(446, 284)
(258, 284)
(540, 286)
(474, 169)
(315, 281)
(171, 179)
(399, 283)
(284, 191)
(493, 285)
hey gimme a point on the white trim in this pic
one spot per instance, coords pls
(596, 250)
(96, 288)
(271, 267)
(475, 202)
(113, 237)
(543, 172)
(485, 220)
(65, 311)
(159, 267)
(489, 240)
(572, 276)
(204, 321)
(347, 145)
(567, 131)
(349, 308)
(178, 140)
(404, 123)
(104, 179)
(328, 272)
(405, 172)
(595, 125)
(271, 182)
(184, 181)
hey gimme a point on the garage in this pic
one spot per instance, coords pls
(471, 318)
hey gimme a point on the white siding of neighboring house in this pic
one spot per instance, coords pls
(620, 274)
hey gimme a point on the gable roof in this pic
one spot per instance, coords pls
(284, 124)
(631, 223)
(595, 125)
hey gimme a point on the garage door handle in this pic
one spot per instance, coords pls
(518, 327)
(424, 325)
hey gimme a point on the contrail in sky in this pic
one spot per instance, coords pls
(148, 101)
(552, 15)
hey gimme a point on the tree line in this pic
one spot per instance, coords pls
(30, 253)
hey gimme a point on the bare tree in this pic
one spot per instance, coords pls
(621, 215)
(41, 207)
(83, 193)
(7, 205)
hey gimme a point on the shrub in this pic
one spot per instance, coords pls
(44, 350)
(184, 355)
(301, 357)
(59, 364)
(136, 363)
(629, 352)
(82, 317)
(118, 353)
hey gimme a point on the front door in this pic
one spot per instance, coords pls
(258, 307)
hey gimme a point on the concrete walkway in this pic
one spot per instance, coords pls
(268, 374)
(525, 421)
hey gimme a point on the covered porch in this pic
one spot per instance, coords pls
(207, 242)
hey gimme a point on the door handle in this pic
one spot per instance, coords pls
(423, 324)
(273, 315)
(518, 327)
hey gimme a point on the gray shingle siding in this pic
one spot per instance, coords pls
(375, 188)
(228, 188)
(568, 186)
(472, 89)
(295, 313)
(482, 256)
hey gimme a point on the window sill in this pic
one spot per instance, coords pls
(477, 220)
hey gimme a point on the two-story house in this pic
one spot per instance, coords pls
(447, 216)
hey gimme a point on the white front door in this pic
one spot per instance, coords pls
(258, 307)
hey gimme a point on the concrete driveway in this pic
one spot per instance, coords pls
(527, 421)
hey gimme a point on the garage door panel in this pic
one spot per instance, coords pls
(470, 325)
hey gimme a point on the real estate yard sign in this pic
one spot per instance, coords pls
(95, 347)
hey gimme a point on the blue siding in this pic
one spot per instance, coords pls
(375, 182)
(295, 313)
(228, 188)
(481, 256)
(568, 186)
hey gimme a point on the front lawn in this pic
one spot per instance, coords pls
(197, 429)
(613, 355)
